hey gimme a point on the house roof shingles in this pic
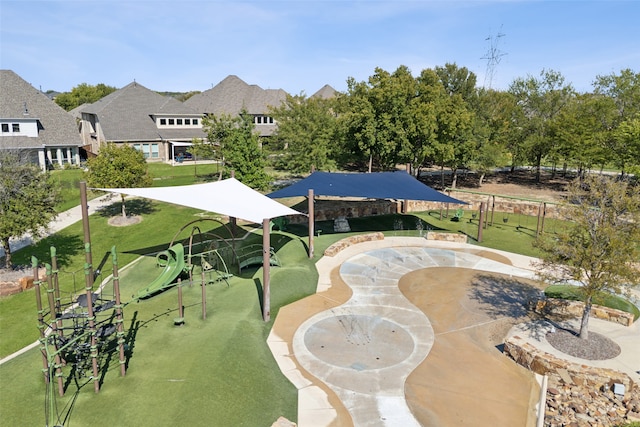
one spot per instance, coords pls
(232, 94)
(56, 127)
(126, 115)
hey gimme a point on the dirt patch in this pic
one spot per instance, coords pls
(519, 183)
(119, 221)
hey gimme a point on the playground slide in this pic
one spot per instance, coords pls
(172, 260)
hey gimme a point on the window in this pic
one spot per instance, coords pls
(271, 120)
(187, 122)
(171, 122)
(15, 127)
(179, 122)
(5, 127)
(154, 151)
(163, 122)
(194, 122)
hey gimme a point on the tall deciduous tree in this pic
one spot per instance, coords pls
(237, 146)
(118, 166)
(379, 117)
(83, 94)
(541, 100)
(599, 248)
(27, 199)
(621, 94)
(492, 127)
(307, 129)
(454, 143)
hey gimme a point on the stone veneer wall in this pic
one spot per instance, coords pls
(578, 395)
(352, 240)
(564, 307)
(330, 209)
(499, 204)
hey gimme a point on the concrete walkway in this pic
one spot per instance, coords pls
(350, 351)
(62, 221)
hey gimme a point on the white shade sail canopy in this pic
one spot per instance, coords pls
(227, 197)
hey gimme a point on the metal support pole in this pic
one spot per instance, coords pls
(204, 295)
(180, 320)
(311, 221)
(480, 227)
(266, 264)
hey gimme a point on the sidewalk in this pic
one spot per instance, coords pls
(63, 220)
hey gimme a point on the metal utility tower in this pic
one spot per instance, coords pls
(493, 57)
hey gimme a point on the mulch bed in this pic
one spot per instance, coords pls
(596, 347)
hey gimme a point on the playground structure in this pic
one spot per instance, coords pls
(76, 328)
(77, 331)
(81, 330)
(208, 254)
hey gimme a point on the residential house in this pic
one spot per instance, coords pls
(325, 92)
(159, 126)
(31, 123)
(232, 95)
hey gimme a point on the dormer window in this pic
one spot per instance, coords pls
(15, 127)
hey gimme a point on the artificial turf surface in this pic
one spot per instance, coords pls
(212, 372)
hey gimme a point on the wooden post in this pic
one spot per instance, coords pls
(88, 275)
(541, 213)
(41, 325)
(119, 313)
(493, 208)
(266, 264)
(480, 227)
(54, 329)
(311, 221)
(486, 219)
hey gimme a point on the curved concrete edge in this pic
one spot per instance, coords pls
(314, 401)
(627, 337)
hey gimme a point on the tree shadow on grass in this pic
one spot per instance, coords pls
(67, 247)
(133, 207)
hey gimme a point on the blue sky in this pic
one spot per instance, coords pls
(299, 46)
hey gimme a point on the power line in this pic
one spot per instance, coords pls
(493, 56)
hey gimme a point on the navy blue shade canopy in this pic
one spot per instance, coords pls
(377, 185)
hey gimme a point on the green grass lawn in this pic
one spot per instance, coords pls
(605, 299)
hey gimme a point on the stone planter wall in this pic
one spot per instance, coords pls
(447, 237)
(578, 395)
(564, 307)
(352, 240)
